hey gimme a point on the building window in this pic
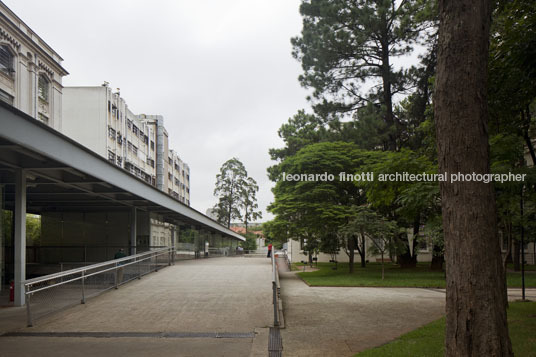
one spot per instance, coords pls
(170, 176)
(5, 97)
(132, 148)
(6, 60)
(135, 130)
(111, 133)
(111, 156)
(43, 85)
(152, 145)
(43, 118)
(129, 123)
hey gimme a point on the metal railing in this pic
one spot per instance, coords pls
(275, 290)
(287, 259)
(54, 292)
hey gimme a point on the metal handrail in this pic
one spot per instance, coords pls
(86, 272)
(275, 290)
(91, 267)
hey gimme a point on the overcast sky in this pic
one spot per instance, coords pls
(220, 72)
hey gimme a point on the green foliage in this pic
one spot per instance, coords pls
(345, 43)
(250, 243)
(368, 223)
(33, 228)
(236, 192)
(229, 186)
(400, 200)
(276, 230)
(345, 60)
(315, 207)
(249, 201)
(512, 67)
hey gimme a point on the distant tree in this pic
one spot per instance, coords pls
(230, 186)
(250, 243)
(365, 224)
(476, 301)
(33, 228)
(249, 202)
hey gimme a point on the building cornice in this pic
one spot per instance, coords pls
(6, 26)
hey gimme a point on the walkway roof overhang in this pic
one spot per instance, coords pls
(64, 176)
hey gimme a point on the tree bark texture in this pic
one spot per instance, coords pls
(476, 299)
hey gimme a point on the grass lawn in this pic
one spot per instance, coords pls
(421, 276)
(428, 340)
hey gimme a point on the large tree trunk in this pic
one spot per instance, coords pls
(386, 82)
(476, 291)
(517, 255)
(507, 234)
(438, 258)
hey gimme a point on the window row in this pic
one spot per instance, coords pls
(7, 66)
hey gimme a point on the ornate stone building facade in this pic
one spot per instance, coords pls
(30, 71)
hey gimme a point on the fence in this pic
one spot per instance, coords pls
(53, 292)
(275, 290)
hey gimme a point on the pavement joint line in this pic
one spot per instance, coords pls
(133, 334)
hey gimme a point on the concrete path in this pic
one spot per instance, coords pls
(219, 295)
(323, 321)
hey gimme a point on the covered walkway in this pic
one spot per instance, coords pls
(85, 203)
(208, 307)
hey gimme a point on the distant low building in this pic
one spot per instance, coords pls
(260, 238)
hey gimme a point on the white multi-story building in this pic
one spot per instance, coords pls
(100, 119)
(30, 71)
(178, 183)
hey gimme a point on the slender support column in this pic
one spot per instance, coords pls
(2, 262)
(133, 233)
(20, 236)
(172, 258)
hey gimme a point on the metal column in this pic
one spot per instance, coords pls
(2, 262)
(20, 236)
(133, 232)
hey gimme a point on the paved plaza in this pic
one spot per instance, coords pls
(220, 296)
(223, 307)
